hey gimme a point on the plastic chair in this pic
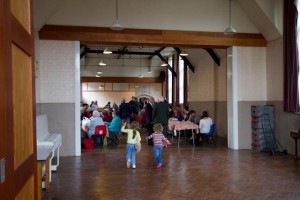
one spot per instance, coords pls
(209, 138)
(100, 132)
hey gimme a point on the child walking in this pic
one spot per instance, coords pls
(133, 136)
(158, 139)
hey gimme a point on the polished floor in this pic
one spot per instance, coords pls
(206, 172)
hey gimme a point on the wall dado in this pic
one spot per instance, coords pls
(284, 123)
(61, 120)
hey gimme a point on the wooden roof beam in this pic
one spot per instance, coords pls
(168, 66)
(189, 64)
(100, 35)
(214, 56)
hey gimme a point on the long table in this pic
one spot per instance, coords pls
(177, 126)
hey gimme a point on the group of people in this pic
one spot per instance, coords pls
(154, 115)
(113, 126)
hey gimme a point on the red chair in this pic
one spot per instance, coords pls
(100, 132)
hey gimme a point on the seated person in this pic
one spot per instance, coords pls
(105, 116)
(95, 121)
(194, 117)
(205, 123)
(177, 115)
(114, 128)
(109, 115)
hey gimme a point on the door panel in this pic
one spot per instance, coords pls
(17, 105)
(21, 10)
(22, 95)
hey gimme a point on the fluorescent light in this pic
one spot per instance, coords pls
(102, 63)
(183, 53)
(164, 64)
(107, 51)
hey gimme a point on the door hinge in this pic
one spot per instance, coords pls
(2, 170)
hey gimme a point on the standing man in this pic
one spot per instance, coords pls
(149, 119)
(124, 112)
(161, 114)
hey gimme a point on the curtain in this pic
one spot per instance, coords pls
(291, 64)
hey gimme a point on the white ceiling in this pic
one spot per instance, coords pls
(248, 16)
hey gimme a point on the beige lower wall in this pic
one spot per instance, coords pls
(284, 123)
(218, 112)
(244, 123)
(61, 120)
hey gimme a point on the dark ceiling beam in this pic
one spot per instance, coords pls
(213, 55)
(124, 49)
(122, 79)
(124, 52)
(159, 50)
(189, 64)
(85, 51)
(168, 66)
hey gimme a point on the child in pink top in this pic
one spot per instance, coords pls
(158, 139)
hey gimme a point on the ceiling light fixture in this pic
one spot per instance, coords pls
(107, 51)
(164, 64)
(183, 53)
(116, 25)
(230, 30)
(102, 63)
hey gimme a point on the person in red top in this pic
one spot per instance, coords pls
(135, 117)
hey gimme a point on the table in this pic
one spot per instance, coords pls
(176, 125)
(295, 135)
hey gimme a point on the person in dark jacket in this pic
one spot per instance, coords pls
(124, 111)
(161, 114)
(149, 119)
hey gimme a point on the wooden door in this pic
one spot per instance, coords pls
(17, 101)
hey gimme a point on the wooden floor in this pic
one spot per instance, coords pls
(207, 172)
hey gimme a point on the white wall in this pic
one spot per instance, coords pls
(251, 70)
(275, 70)
(246, 86)
(58, 91)
(57, 72)
(284, 121)
(102, 97)
(204, 15)
(201, 83)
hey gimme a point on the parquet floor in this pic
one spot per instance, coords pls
(207, 172)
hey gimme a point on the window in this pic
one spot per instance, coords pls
(181, 81)
(298, 43)
(170, 81)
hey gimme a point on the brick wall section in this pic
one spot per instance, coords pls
(57, 72)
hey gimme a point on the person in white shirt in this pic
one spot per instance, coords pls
(205, 123)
